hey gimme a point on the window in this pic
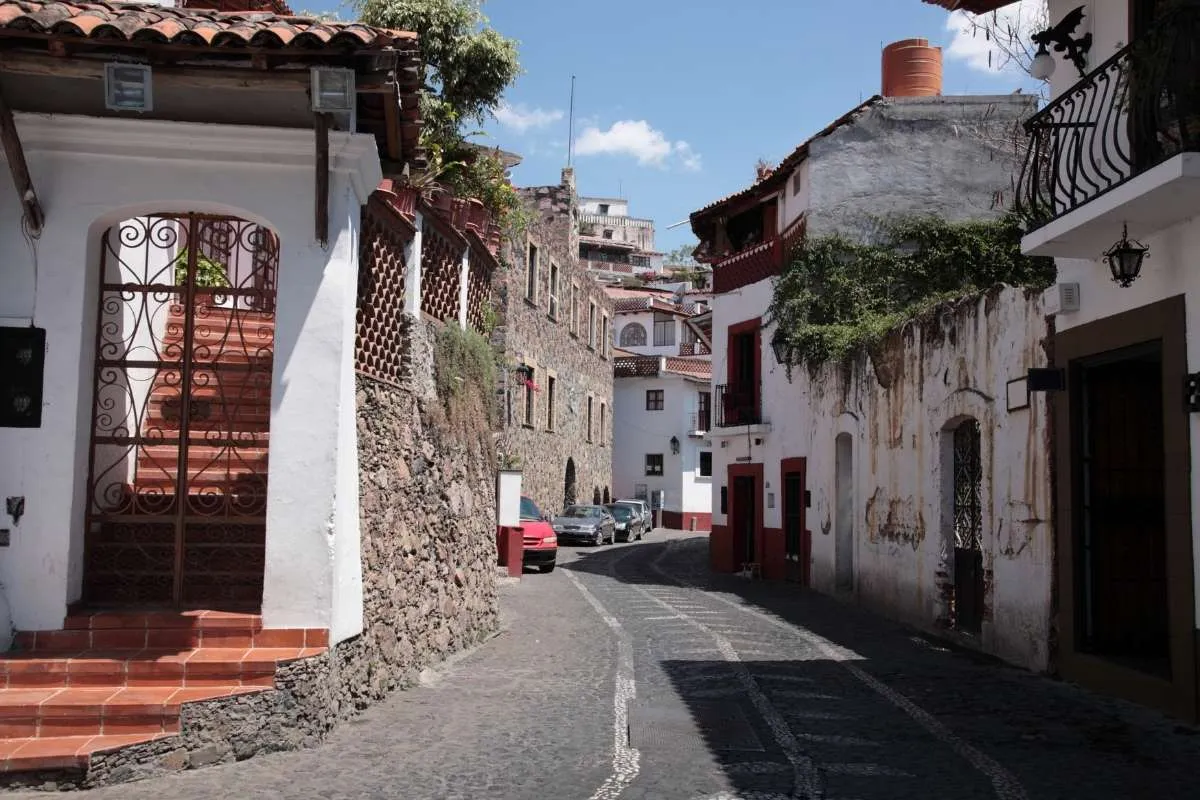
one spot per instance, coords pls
(531, 276)
(796, 181)
(641, 491)
(654, 399)
(553, 308)
(530, 409)
(705, 463)
(604, 209)
(591, 340)
(550, 386)
(654, 464)
(664, 330)
(573, 310)
(608, 233)
(602, 415)
(633, 335)
(704, 411)
(589, 418)
(604, 336)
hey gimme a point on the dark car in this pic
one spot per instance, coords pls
(540, 541)
(629, 526)
(587, 524)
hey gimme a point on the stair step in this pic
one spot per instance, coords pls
(62, 752)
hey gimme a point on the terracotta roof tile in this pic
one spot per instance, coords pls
(974, 6)
(139, 23)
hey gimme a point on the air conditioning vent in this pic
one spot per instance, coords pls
(332, 90)
(127, 87)
(1068, 297)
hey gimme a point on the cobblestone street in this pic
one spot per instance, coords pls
(633, 673)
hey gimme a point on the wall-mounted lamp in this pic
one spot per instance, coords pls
(675, 445)
(1125, 259)
(783, 350)
(1060, 37)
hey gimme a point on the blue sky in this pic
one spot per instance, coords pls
(677, 99)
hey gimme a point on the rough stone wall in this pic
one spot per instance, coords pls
(949, 157)
(899, 405)
(427, 507)
(527, 334)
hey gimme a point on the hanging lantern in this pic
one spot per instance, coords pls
(1125, 259)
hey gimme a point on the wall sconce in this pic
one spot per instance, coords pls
(1060, 37)
(675, 445)
(1125, 259)
(783, 350)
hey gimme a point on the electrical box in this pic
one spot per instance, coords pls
(22, 372)
(128, 87)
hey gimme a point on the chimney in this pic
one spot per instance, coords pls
(912, 68)
(568, 177)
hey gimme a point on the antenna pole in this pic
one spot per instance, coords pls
(571, 123)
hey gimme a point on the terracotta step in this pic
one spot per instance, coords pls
(188, 629)
(62, 752)
(227, 459)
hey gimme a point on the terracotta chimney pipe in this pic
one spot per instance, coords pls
(912, 68)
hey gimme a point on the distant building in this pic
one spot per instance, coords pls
(613, 245)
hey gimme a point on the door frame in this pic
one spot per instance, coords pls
(754, 471)
(1165, 321)
(800, 572)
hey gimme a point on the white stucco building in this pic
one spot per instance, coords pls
(1122, 393)
(612, 244)
(662, 405)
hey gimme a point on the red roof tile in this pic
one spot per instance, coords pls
(974, 6)
(149, 24)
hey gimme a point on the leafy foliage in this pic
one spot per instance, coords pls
(837, 296)
(684, 255)
(465, 374)
(210, 274)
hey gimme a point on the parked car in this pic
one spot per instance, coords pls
(629, 526)
(588, 524)
(540, 540)
(643, 509)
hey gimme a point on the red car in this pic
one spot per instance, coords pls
(541, 544)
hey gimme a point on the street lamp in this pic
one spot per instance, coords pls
(675, 445)
(1043, 64)
(1125, 259)
(783, 350)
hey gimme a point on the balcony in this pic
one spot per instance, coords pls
(1121, 146)
(738, 406)
(748, 266)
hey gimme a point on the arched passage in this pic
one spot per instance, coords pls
(569, 491)
(184, 354)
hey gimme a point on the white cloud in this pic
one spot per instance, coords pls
(636, 138)
(522, 119)
(1014, 23)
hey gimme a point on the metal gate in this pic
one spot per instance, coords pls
(968, 528)
(177, 472)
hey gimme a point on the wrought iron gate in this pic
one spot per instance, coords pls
(968, 528)
(177, 472)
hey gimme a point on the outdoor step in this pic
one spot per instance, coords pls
(233, 458)
(62, 752)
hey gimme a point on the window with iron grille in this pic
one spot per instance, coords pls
(530, 408)
(705, 463)
(654, 464)
(968, 481)
(550, 386)
(664, 330)
(654, 399)
(589, 419)
(603, 409)
(633, 335)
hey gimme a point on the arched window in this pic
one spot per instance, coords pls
(633, 335)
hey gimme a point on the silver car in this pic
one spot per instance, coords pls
(587, 524)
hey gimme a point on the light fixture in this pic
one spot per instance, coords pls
(675, 445)
(128, 87)
(1043, 64)
(1060, 37)
(332, 90)
(783, 350)
(1125, 259)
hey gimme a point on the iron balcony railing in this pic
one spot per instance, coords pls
(738, 405)
(1136, 110)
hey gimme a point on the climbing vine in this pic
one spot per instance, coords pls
(465, 375)
(837, 296)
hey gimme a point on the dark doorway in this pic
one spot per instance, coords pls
(569, 484)
(794, 548)
(1121, 509)
(968, 528)
(744, 516)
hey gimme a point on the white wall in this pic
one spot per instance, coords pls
(638, 432)
(791, 205)
(91, 173)
(646, 320)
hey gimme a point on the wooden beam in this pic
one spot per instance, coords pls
(322, 129)
(15, 155)
(176, 77)
(391, 115)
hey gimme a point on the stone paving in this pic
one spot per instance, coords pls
(633, 673)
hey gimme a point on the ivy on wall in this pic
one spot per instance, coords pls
(465, 376)
(836, 296)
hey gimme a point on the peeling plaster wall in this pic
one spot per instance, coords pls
(900, 404)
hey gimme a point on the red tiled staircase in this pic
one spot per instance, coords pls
(112, 680)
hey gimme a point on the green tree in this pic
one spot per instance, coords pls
(468, 65)
(684, 255)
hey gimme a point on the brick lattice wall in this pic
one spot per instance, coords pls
(441, 263)
(378, 340)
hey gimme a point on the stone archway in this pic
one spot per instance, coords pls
(569, 491)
